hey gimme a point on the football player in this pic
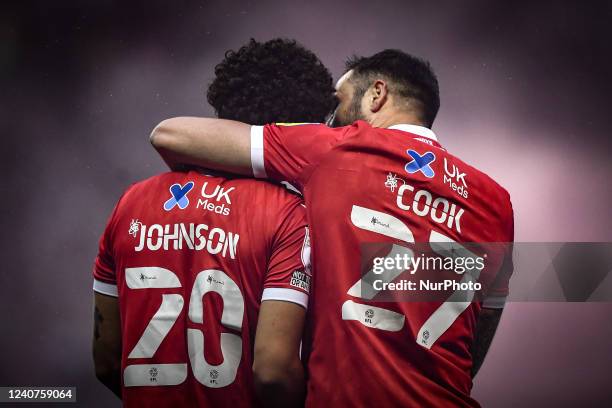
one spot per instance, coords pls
(382, 176)
(202, 280)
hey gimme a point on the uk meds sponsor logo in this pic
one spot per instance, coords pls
(455, 179)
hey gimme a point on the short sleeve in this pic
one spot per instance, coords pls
(500, 289)
(282, 152)
(289, 272)
(105, 280)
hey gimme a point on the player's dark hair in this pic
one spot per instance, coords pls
(410, 77)
(275, 81)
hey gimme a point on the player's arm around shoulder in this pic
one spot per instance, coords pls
(217, 144)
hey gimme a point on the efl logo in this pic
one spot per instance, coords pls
(421, 163)
(179, 196)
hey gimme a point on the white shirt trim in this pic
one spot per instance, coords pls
(494, 302)
(257, 151)
(415, 129)
(287, 295)
(105, 288)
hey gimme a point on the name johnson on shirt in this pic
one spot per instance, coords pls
(197, 237)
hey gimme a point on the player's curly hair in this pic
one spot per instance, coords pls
(275, 81)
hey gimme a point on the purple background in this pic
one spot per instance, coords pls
(525, 90)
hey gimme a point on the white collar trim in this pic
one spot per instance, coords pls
(417, 130)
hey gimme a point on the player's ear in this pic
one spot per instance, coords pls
(377, 95)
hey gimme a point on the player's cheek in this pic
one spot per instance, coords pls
(341, 112)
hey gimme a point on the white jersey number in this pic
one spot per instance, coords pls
(210, 280)
(389, 320)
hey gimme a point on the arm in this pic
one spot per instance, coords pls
(107, 342)
(280, 152)
(493, 304)
(485, 331)
(277, 369)
(210, 143)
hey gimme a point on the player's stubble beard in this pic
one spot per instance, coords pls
(352, 113)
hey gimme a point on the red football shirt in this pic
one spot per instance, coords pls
(398, 185)
(191, 257)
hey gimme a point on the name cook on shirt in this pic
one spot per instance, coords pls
(426, 204)
(197, 237)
